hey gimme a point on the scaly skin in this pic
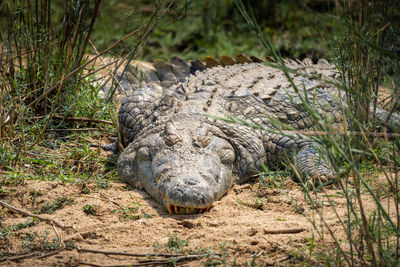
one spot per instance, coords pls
(186, 159)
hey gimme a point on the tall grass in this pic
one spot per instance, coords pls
(42, 60)
(366, 58)
(48, 66)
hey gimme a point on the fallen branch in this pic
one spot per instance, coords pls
(11, 253)
(73, 130)
(284, 231)
(174, 259)
(150, 262)
(58, 235)
(122, 253)
(277, 261)
(48, 254)
(79, 119)
(19, 257)
(117, 265)
(168, 258)
(8, 206)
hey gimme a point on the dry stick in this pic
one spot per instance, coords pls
(48, 254)
(19, 257)
(79, 119)
(72, 130)
(11, 253)
(97, 70)
(274, 263)
(284, 231)
(58, 235)
(386, 101)
(8, 206)
(106, 66)
(175, 259)
(118, 265)
(122, 253)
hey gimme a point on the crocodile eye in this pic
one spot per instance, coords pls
(201, 141)
(172, 139)
(227, 156)
(144, 154)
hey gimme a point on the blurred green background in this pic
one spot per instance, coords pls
(194, 29)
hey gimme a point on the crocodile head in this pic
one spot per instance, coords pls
(184, 166)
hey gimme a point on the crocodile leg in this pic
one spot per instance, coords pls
(135, 113)
(309, 163)
(126, 166)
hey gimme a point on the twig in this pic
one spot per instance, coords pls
(48, 254)
(106, 65)
(274, 262)
(58, 235)
(14, 258)
(73, 130)
(166, 260)
(97, 70)
(128, 253)
(258, 254)
(118, 265)
(284, 231)
(82, 119)
(175, 259)
(11, 253)
(8, 206)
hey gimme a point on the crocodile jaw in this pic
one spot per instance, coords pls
(185, 183)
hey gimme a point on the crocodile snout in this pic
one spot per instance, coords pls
(188, 195)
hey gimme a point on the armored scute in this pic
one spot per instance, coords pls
(186, 159)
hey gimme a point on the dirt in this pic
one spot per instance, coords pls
(249, 221)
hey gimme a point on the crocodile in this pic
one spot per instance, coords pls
(177, 149)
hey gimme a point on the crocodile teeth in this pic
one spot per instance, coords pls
(172, 209)
(176, 209)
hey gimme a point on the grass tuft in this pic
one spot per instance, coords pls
(366, 62)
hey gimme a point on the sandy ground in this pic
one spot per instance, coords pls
(234, 227)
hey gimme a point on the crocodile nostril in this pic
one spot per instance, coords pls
(191, 182)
